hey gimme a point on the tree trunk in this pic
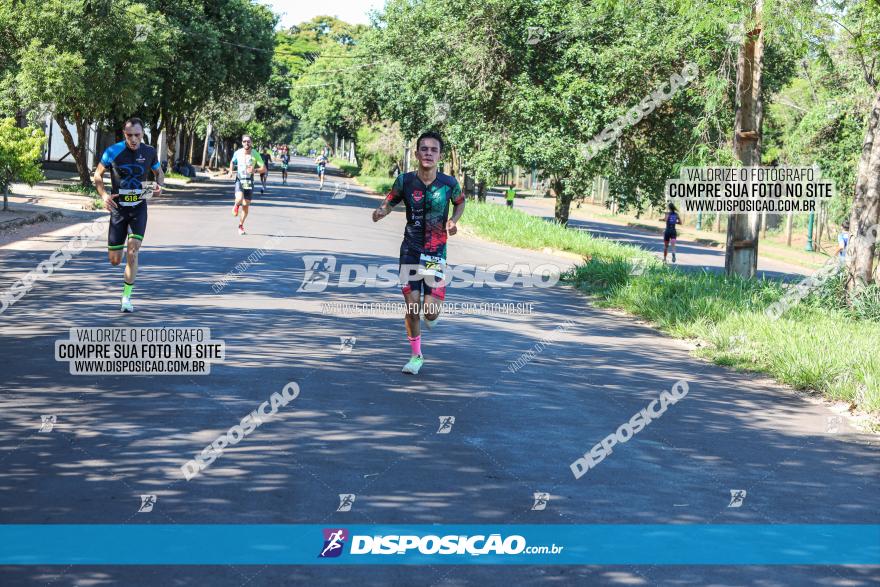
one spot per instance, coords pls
(76, 150)
(6, 197)
(866, 206)
(208, 132)
(155, 130)
(741, 256)
(171, 132)
(481, 191)
(788, 223)
(192, 146)
(718, 223)
(563, 201)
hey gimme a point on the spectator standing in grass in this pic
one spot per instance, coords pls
(510, 195)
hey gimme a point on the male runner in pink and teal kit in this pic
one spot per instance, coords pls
(426, 195)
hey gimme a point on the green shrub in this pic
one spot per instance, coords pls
(20, 150)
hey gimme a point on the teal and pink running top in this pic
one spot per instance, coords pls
(427, 210)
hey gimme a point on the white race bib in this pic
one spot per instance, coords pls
(434, 266)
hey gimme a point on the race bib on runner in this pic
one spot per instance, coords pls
(129, 196)
(434, 266)
(245, 179)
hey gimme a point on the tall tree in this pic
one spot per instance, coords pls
(865, 218)
(212, 47)
(81, 63)
(741, 256)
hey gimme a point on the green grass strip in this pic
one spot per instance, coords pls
(813, 346)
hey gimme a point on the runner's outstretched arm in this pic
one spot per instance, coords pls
(394, 197)
(452, 224)
(160, 181)
(381, 212)
(99, 186)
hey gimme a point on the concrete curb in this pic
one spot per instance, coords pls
(14, 223)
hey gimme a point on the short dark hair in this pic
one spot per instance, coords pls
(430, 135)
(845, 225)
(134, 121)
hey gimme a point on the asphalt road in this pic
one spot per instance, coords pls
(361, 427)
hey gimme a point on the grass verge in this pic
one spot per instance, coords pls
(349, 169)
(380, 185)
(178, 176)
(816, 345)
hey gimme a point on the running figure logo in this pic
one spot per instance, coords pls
(737, 496)
(339, 191)
(48, 422)
(446, 423)
(833, 424)
(334, 541)
(346, 500)
(346, 343)
(441, 112)
(141, 31)
(541, 501)
(536, 33)
(147, 503)
(637, 265)
(318, 270)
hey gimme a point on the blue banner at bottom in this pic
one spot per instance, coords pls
(612, 544)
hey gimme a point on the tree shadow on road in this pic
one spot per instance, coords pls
(530, 393)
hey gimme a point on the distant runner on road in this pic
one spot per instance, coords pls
(128, 162)
(285, 161)
(264, 174)
(321, 162)
(426, 195)
(245, 161)
(671, 219)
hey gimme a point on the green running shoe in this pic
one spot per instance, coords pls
(414, 365)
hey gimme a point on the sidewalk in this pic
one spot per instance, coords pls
(44, 203)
